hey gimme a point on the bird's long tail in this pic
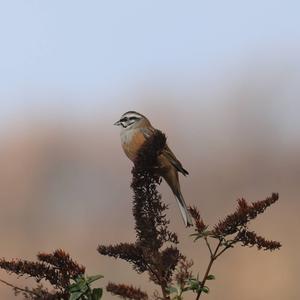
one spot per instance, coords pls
(187, 219)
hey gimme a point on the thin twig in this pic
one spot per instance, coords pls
(19, 288)
(224, 249)
(208, 246)
(212, 259)
(229, 245)
(166, 297)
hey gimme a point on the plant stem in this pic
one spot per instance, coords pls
(163, 287)
(18, 288)
(223, 250)
(213, 256)
(208, 246)
(165, 295)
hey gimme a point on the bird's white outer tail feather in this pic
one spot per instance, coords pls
(184, 211)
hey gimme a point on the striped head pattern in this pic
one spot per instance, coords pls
(129, 118)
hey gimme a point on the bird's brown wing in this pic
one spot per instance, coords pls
(167, 152)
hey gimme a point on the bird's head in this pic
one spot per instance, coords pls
(131, 119)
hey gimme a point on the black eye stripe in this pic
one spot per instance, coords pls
(125, 119)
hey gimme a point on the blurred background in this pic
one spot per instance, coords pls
(220, 78)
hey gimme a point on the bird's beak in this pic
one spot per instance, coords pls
(118, 123)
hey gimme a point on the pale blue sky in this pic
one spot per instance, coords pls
(88, 48)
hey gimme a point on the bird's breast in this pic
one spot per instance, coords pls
(131, 141)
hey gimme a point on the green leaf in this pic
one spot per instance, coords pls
(194, 234)
(211, 277)
(171, 289)
(75, 296)
(91, 279)
(82, 284)
(198, 237)
(81, 288)
(78, 287)
(97, 294)
(77, 290)
(194, 284)
(205, 289)
(74, 288)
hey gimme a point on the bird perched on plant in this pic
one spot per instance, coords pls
(135, 129)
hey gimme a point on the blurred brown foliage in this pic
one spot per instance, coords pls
(237, 136)
(57, 268)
